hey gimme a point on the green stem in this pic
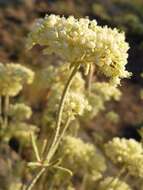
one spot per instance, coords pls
(53, 150)
(61, 106)
(52, 153)
(57, 139)
(35, 179)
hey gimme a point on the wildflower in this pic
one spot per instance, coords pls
(122, 150)
(128, 153)
(70, 188)
(54, 78)
(111, 183)
(19, 111)
(81, 157)
(106, 91)
(81, 41)
(135, 166)
(113, 117)
(100, 93)
(21, 131)
(13, 77)
(76, 102)
(15, 185)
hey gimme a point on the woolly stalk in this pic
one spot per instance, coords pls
(35, 179)
(51, 153)
(56, 139)
(61, 107)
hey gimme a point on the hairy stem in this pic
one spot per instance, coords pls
(56, 139)
(35, 179)
(52, 152)
(61, 106)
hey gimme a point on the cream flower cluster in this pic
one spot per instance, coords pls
(111, 183)
(82, 157)
(19, 112)
(13, 77)
(135, 166)
(106, 91)
(81, 41)
(128, 153)
(76, 102)
(70, 188)
(60, 74)
(55, 77)
(113, 117)
(15, 185)
(21, 131)
(101, 92)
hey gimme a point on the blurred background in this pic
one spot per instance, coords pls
(18, 16)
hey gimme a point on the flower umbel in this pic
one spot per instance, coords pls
(13, 77)
(82, 157)
(82, 41)
(128, 153)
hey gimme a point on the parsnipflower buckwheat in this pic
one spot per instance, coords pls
(127, 153)
(19, 112)
(81, 157)
(82, 41)
(13, 77)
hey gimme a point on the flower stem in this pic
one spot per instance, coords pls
(35, 179)
(33, 182)
(61, 106)
(56, 139)
(53, 150)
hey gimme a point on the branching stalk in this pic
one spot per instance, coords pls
(35, 179)
(49, 156)
(61, 106)
(57, 138)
